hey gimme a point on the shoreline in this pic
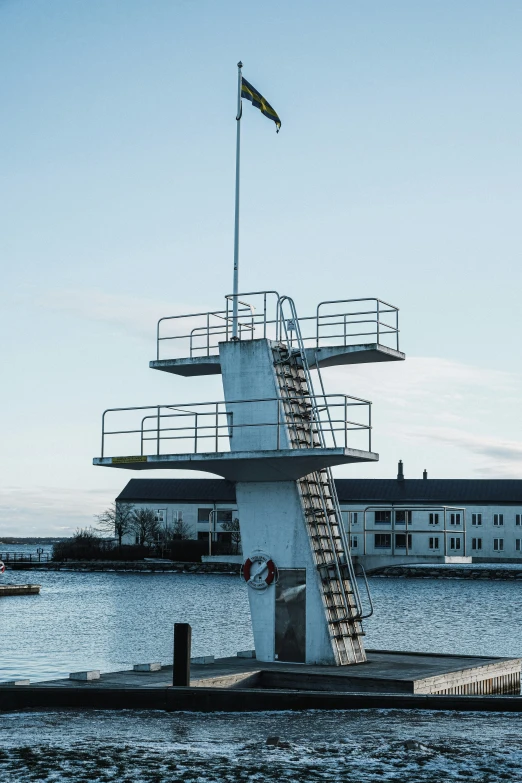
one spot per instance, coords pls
(127, 565)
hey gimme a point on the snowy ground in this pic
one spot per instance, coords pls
(153, 747)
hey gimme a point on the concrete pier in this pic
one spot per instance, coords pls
(6, 590)
(387, 680)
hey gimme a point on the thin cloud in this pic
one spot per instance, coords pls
(132, 314)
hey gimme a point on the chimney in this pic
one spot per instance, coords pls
(425, 475)
(400, 474)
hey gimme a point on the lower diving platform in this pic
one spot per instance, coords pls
(262, 465)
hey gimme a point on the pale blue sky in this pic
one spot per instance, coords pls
(397, 173)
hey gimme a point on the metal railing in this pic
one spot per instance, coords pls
(340, 322)
(322, 428)
(25, 557)
(199, 334)
(207, 427)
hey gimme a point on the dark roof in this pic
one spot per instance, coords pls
(425, 491)
(185, 490)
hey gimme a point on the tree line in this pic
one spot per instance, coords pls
(121, 519)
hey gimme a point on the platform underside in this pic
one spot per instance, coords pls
(329, 356)
(281, 465)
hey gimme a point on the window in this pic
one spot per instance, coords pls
(382, 541)
(224, 515)
(382, 517)
(518, 542)
(402, 517)
(203, 514)
(160, 515)
(498, 544)
(434, 520)
(455, 543)
(455, 519)
(354, 518)
(400, 541)
(517, 519)
(476, 543)
(476, 519)
(434, 542)
(498, 519)
(353, 542)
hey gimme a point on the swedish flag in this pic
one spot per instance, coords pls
(251, 94)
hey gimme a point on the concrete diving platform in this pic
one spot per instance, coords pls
(326, 356)
(262, 465)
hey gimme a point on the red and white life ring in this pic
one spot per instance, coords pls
(259, 571)
(2, 567)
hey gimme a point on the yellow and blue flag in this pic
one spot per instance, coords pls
(251, 94)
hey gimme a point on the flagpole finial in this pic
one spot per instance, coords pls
(240, 64)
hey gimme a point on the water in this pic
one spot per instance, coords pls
(110, 620)
(354, 747)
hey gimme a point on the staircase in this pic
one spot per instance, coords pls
(319, 500)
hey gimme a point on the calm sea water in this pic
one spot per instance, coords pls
(110, 621)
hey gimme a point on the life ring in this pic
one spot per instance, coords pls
(2, 567)
(261, 577)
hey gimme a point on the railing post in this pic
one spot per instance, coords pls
(208, 334)
(278, 436)
(103, 434)
(378, 321)
(217, 426)
(195, 433)
(226, 320)
(369, 426)
(158, 433)
(345, 422)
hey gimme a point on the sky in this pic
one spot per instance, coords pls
(396, 174)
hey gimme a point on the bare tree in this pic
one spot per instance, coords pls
(232, 527)
(144, 525)
(180, 529)
(117, 520)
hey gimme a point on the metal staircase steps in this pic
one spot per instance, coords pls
(320, 506)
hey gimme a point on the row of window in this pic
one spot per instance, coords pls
(498, 544)
(384, 541)
(384, 517)
(401, 517)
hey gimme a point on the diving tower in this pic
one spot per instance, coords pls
(277, 437)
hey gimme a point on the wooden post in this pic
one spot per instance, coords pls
(182, 643)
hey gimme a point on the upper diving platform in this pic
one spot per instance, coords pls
(239, 440)
(344, 331)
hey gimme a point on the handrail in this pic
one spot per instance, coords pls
(377, 320)
(358, 615)
(322, 329)
(213, 419)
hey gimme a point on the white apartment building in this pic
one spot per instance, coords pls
(417, 518)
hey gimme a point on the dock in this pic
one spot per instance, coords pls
(6, 590)
(397, 680)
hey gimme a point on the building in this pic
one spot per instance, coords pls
(417, 519)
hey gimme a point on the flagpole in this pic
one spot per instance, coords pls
(236, 225)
